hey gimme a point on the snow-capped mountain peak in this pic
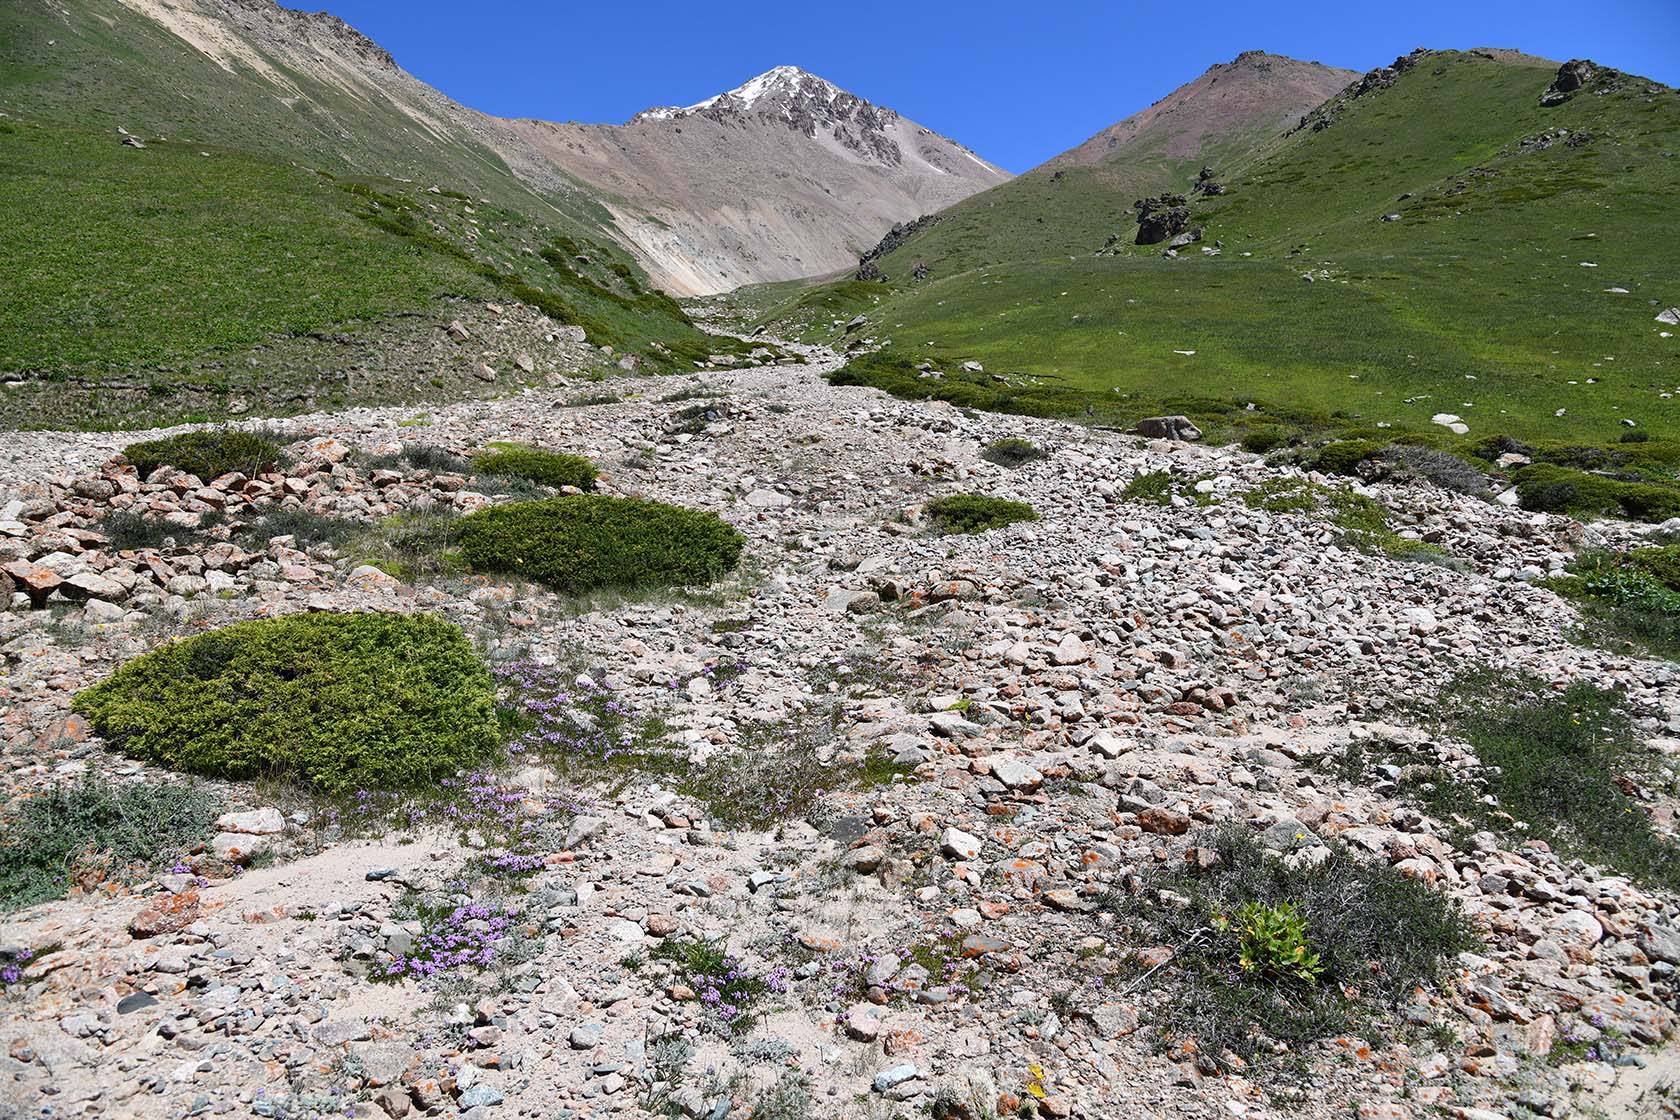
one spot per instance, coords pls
(780, 83)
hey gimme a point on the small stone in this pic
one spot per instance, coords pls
(1163, 822)
(583, 829)
(958, 844)
(896, 1075)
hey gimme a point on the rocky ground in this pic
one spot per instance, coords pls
(1062, 701)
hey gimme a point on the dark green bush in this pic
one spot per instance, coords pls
(975, 513)
(1013, 452)
(582, 543)
(1555, 489)
(546, 467)
(1363, 928)
(208, 453)
(1342, 456)
(1262, 440)
(339, 701)
(125, 828)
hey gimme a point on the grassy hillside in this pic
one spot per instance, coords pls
(253, 219)
(1485, 297)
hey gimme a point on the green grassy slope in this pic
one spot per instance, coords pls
(1477, 300)
(253, 213)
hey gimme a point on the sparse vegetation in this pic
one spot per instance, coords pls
(1559, 761)
(580, 544)
(334, 701)
(90, 830)
(976, 513)
(1628, 599)
(1269, 956)
(1159, 488)
(1362, 521)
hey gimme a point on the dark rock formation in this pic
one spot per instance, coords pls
(1161, 217)
(901, 232)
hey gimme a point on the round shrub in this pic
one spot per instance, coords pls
(975, 513)
(338, 701)
(546, 467)
(209, 453)
(586, 542)
(1342, 456)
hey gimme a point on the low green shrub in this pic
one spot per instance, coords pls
(1553, 489)
(208, 453)
(547, 467)
(1269, 957)
(1013, 452)
(583, 543)
(99, 828)
(976, 513)
(1342, 456)
(338, 701)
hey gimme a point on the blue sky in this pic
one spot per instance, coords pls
(1017, 82)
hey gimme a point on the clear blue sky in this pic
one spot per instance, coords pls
(1017, 82)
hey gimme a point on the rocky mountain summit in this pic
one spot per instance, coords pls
(1058, 712)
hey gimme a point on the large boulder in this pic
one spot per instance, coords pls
(1168, 427)
(1572, 76)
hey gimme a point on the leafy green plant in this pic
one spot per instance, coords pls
(1628, 599)
(1272, 941)
(208, 453)
(101, 828)
(976, 513)
(547, 467)
(338, 701)
(1011, 451)
(582, 543)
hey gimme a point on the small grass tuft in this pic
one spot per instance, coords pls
(1012, 451)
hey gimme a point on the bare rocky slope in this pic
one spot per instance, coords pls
(784, 177)
(1069, 703)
